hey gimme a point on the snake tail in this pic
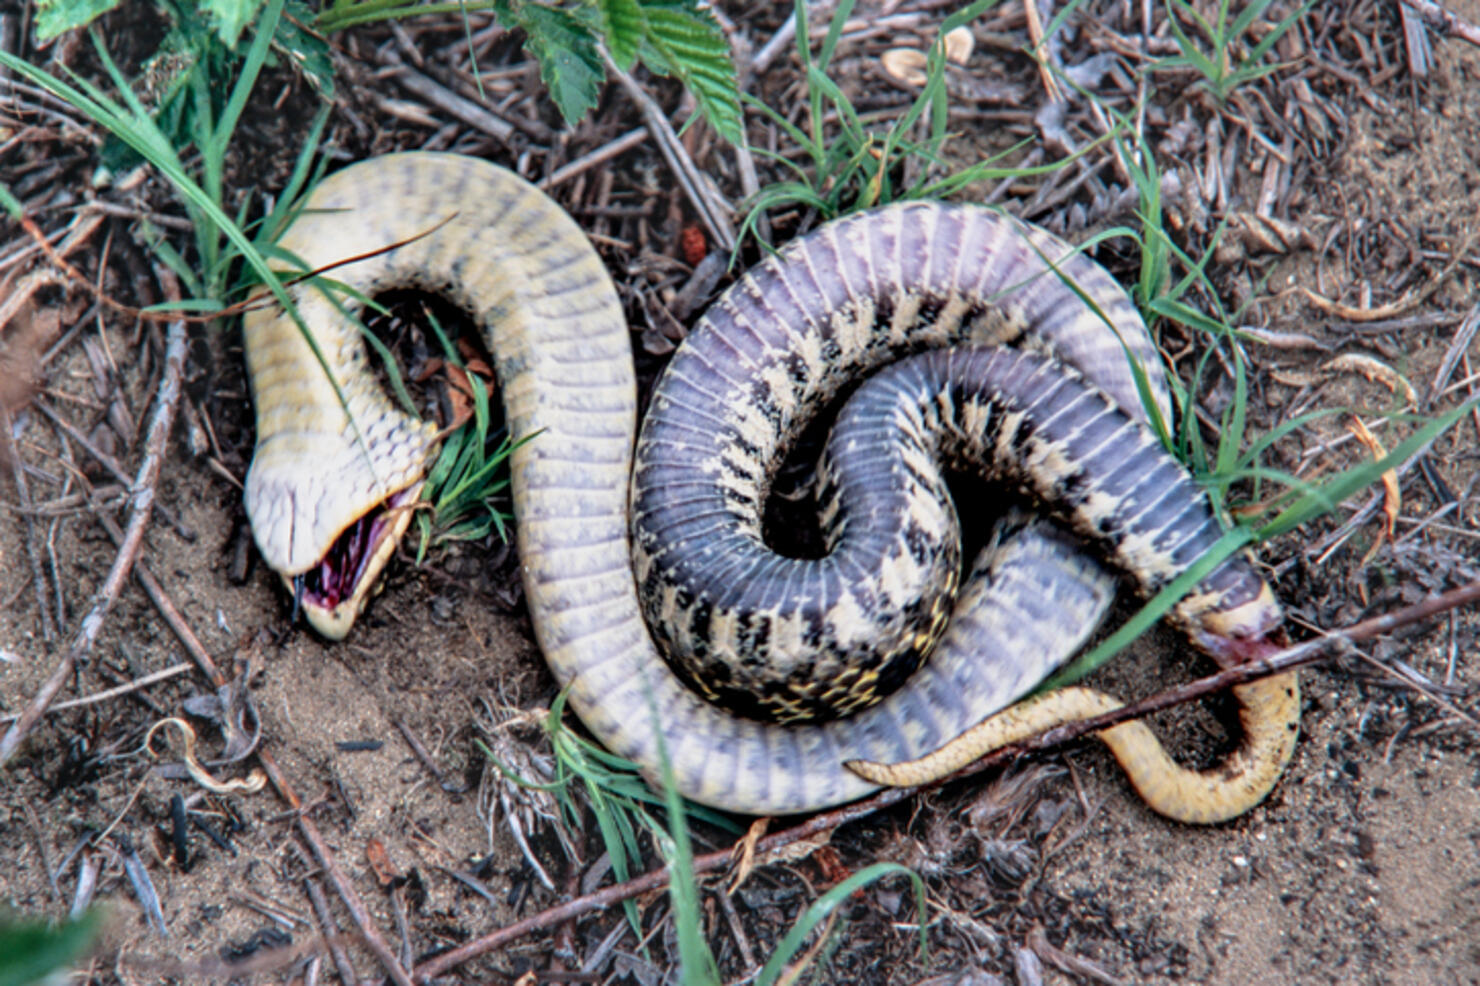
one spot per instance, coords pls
(1269, 715)
(1068, 447)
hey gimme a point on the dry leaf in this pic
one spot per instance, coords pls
(905, 66)
(1392, 501)
(1353, 314)
(958, 44)
(1266, 234)
(1392, 310)
(1373, 369)
(1295, 378)
(380, 863)
(1281, 340)
(742, 859)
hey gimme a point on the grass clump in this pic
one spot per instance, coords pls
(853, 166)
(1222, 67)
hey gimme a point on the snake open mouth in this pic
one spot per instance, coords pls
(334, 591)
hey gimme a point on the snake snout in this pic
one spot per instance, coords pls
(334, 592)
(328, 517)
(1246, 632)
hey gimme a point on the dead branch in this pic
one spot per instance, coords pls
(595, 158)
(449, 102)
(23, 495)
(342, 885)
(173, 671)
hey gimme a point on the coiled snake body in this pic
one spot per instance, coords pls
(794, 332)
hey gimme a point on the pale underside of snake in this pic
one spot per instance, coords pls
(325, 483)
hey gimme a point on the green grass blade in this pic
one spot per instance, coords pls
(695, 956)
(251, 67)
(139, 133)
(1330, 494)
(834, 31)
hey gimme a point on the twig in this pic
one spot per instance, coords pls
(1407, 677)
(110, 464)
(711, 213)
(600, 156)
(34, 824)
(427, 760)
(173, 671)
(1444, 23)
(140, 508)
(23, 494)
(331, 933)
(1307, 652)
(448, 101)
(168, 611)
(1460, 345)
(342, 885)
(1035, 37)
(143, 887)
(78, 232)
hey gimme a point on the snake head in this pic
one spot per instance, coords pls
(1248, 631)
(328, 515)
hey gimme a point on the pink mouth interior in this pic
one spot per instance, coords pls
(339, 572)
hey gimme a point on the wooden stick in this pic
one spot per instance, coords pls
(173, 671)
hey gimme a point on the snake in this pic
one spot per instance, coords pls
(954, 332)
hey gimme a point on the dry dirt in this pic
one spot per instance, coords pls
(1362, 868)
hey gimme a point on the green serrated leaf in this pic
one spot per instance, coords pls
(55, 16)
(307, 50)
(570, 63)
(230, 17)
(625, 25)
(690, 45)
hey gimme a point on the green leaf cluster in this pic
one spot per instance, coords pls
(468, 479)
(184, 85)
(677, 38)
(225, 18)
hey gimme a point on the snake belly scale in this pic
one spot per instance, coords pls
(792, 334)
